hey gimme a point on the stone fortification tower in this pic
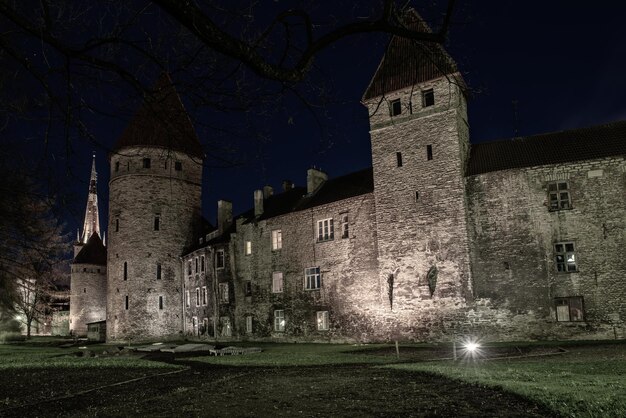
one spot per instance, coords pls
(420, 143)
(88, 280)
(154, 201)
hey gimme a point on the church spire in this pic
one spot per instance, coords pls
(92, 219)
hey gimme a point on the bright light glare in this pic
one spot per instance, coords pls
(471, 347)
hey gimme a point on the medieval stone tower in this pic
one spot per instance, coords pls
(420, 143)
(88, 281)
(154, 192)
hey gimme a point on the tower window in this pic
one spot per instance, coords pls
(428, 98)
(201, 263)
(178, 166)
(399, 159)
(395, 107)
(417, 196)
(160, 302)
(429, 152)
(117, 225)
(159, 271)
(157, 223)
(117, 166)
(125, 270)
(126, 302)
(146, 163)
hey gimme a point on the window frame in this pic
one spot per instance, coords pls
(159, 272)
(205, 296)
(556, 202)
(325, 230)
(157, 222)
(178, 166)
(224, 296)
(575, 309)
(247, 249)
(146, 162)
(312, 278)
(323, 323)
(277, 239)
(161, 304)
(345, 226)
(220, 260)
(126, 303)
(395, 107)
(279, 320)
(564, 251)
(248, 324)
(428, 97)
(197, 296)
(278, 282)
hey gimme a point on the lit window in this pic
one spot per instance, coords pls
(322, 320)
(279, 320)
(197, 296)
(277, 239)
(224, 293)
(219, 259)
(158, 275)
(312, 278)
(146, 163)
(248, 324)
(429, 152)
(345, 227)
(205, 296)
(325, 230)
(558, 196)
(248, 248)
(161, 302)
(178, 166)
(277, 282)
(428, 98)
(565, 257)
(395, 107)
(569, 309)
(187, 299)
(157, 223)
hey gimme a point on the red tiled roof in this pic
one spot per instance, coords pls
(162, 121)
(407, 62)
(552, 148)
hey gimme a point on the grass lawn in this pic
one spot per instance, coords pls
(40, 379)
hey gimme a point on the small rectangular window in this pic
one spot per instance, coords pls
(395, 107)
(125, 270)
(178, 166)
(277, 239)
(202, 263)
(157, 223)
(322, 320)
(558, 196)
(196, 262)
(248, 248)
(345, 226)
(189, 267)
(224, 293)
(205, 296)
(399, 159)
(158, 276)
(248, 288)
(428, 98)
(219, 259)
(277, 282)
(249, 324)
(279, 320)
(117, 225)
(188, 299)
(126, 302)
(312, 278)
(146, 163)
(161, 302)
(417, 196)
(429, 152)
(197, 296)
(325, 230)
(565, 257)
(117, 166)
(569, 309)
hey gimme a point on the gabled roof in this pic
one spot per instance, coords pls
(93, 252)
(333, 190)
(552, 148)
(408, 62)
(162, 121)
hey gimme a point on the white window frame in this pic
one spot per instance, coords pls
(249, 324)
(322, 321)
(219, 255)
(247, 250)
(223, 288)
(312, 278)
(278, 282)
(279, 320)
(325, 230)
(277, 239)
(205, 296)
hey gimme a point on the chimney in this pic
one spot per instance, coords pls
(258, 202)
(267, 191)
(314, 179)
(287, 185)
(224, 215)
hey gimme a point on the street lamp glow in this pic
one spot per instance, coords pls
(472, 346)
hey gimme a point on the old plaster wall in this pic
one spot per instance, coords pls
(513, 234)
(137, 195)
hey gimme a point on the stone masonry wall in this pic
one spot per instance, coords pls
(88, 296)
(137, 195)
(513, 235)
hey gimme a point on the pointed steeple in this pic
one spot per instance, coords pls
(92, 218)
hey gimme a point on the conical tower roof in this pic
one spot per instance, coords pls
(92, 218)
(163, 122)
(408, 62)
(93, 252)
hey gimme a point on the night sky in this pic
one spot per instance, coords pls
(564, 62)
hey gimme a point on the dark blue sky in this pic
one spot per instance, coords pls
(564, 62)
